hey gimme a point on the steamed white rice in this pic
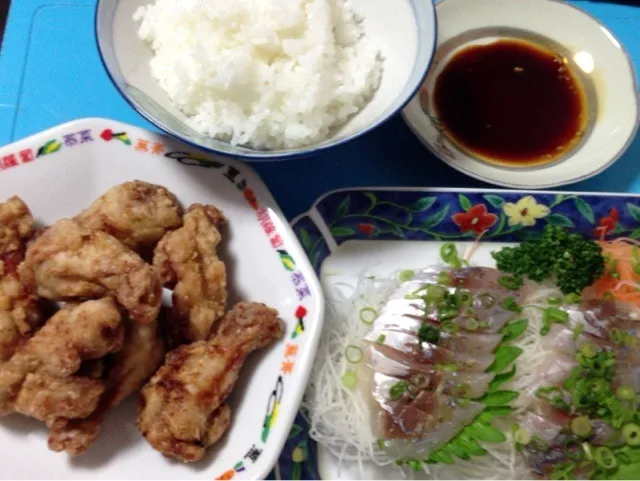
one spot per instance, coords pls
(268, 74)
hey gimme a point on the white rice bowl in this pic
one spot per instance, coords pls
(266, 74)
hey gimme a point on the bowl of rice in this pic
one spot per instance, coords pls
(266, 79)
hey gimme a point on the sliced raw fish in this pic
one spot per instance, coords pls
(467, 341)
(561, 338)
(426, 353)
(389, 362)
(480, 283)
(599, 317)
(413, 428)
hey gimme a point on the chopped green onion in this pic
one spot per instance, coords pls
(472, 324)
(368, 315)
(450, 327)
(618, 336)
(464, 297)
(420, 380)
(444, 278)
(380, 443)
(559, 403)
(588, 350)
(381, 339)
(573, 378)
(510, 305)
(487, 300)
(512, 283)
(625, 393)
(572, 298)
(554, 301)
(522, 436)
(398, 389)
(445, 313)
(631, 434)
(435, 293)
(635, 259)
(542, 392)
(428, 333)
(444, 366)
(604, 457)
(350, 379)
(577, 331)
(581, 426)
(406, 275)
(353, 354)
(564, 471)
(449, 254)
(587, 451)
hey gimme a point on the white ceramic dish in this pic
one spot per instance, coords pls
(58, 173)
(406, 40)
(377, 231)
(598, 58)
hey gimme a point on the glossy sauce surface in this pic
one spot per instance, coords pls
(511, 103)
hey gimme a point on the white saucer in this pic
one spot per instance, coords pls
(598, 58)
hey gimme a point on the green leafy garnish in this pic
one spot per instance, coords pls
(486, 432)
(501, 378)
(514, 329)
(574, 261)
(498, 398)
(504, 356)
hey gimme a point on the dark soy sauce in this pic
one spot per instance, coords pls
(511, 103)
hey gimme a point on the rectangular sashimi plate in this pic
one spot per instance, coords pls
(378, 231)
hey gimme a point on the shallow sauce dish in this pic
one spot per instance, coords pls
(406, 41)
(599, 64)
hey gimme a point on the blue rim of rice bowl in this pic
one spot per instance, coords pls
(266, 155)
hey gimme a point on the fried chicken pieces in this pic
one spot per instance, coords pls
(39, 381)
(187, 261)
(108, 338)
(20, 312)
(69, 261)
(183, 410)
(138, 214)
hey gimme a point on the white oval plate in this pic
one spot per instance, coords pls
(597, 56)
(61, 171)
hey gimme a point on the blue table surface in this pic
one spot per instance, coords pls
(50, 73)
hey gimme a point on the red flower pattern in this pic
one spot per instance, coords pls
(476, 219)
(608, 223)
(301, 312)
(367, 229)
(107, 134)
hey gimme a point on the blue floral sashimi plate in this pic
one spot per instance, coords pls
(378, 214)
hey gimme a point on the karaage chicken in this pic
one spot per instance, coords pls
(140, 357)
(188, 263)
(39, 380)
(21, 313)
(69, 261)
(182, 410)
(136, 213)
